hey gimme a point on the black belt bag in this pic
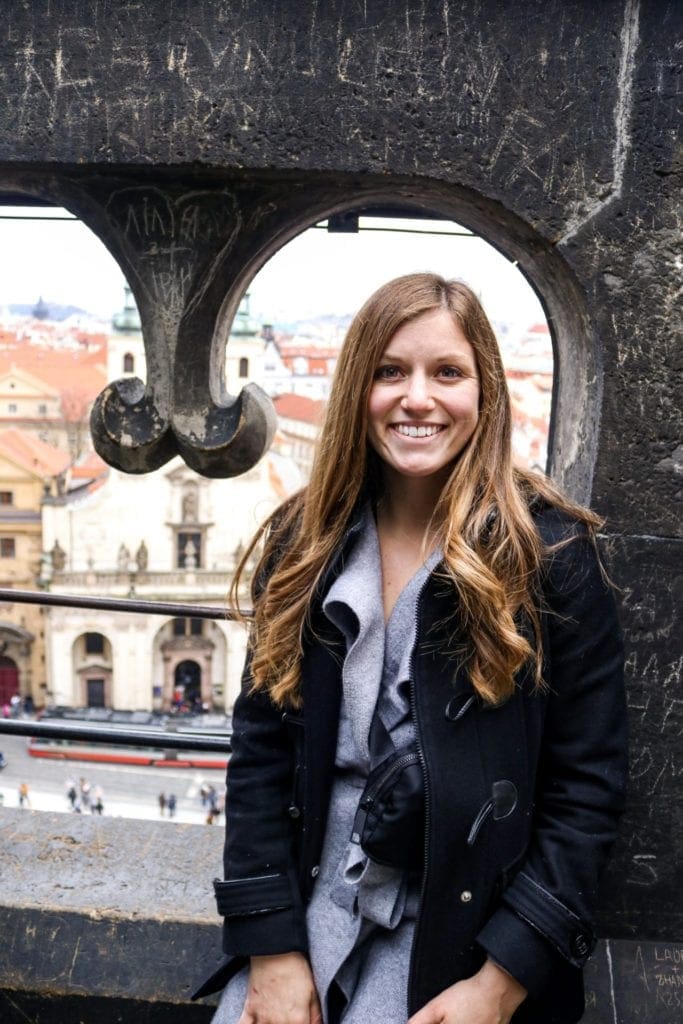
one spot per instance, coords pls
(389, 824)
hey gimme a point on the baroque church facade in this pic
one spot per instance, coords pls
(171, 536)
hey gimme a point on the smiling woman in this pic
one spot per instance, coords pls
(421, 604)
(424, 402)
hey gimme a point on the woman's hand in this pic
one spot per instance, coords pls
(490, 997)
(281, 991)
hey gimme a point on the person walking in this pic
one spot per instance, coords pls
(24, 796)
(85, 792)
(97, 801)
(172, 804)
(71, 792)
(162, 803)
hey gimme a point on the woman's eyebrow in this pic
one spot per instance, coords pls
(447, 357)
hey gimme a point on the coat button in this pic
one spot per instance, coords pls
(293, 811)
(466, 896)
(315, 871)
(580, 947)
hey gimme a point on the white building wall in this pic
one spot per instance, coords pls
(126, 510)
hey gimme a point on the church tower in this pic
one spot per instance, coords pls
(126, 350)
(245, 351)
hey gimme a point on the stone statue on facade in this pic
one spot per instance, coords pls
(58, 555)
(142, 557)
(123, 559)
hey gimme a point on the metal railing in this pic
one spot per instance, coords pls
(118, 604)
(122, 736)
(117, 735)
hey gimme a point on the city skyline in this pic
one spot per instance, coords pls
(315, 274)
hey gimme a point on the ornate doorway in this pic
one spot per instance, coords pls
(187, 684)
(9, 679)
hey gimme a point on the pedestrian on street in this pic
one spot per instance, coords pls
(71, 792)
(24, 798)
(162, 803)
(85, 792)
(172, 803)
(97, 802)
(429, 745)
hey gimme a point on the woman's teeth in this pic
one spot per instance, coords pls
(416, 431)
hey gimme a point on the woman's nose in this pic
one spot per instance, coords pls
(417, 393)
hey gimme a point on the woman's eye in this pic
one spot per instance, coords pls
(387, 373)
(450, 372)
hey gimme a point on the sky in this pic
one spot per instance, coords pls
(317, 273)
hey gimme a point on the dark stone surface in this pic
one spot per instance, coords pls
(115, 908)
(634, 983)
(31, 1008)
(642, 890)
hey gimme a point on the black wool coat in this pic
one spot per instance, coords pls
(522, 799)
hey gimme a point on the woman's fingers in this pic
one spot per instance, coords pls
(315, 1015)
(429, 1014)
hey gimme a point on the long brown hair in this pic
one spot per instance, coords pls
(491, 548)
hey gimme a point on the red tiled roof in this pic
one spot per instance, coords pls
(89, 467)
(68, 370)
(299, 407)
(32, 453)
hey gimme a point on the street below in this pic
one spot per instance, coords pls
(128, 791)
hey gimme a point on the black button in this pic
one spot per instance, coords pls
(293, 811)
(580, 946)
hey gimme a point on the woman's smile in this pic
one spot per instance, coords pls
(417, 430)
(424, 401)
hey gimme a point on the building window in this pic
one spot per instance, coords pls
(128, 363)
(42, 409)
(188, 627)
(94, 643)
(7, 547)
(189, 553)
(12, 407)
(244, 367)
(6, 497)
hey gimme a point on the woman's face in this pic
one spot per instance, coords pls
(424, 401)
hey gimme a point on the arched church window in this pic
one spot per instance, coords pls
(128, 363)
(244, 367)
(94, 643)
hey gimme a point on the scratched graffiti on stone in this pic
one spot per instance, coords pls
(171, 234)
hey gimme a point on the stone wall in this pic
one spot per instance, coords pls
(105, 919)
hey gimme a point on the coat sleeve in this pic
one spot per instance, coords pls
(259, 898)
(545, 920)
